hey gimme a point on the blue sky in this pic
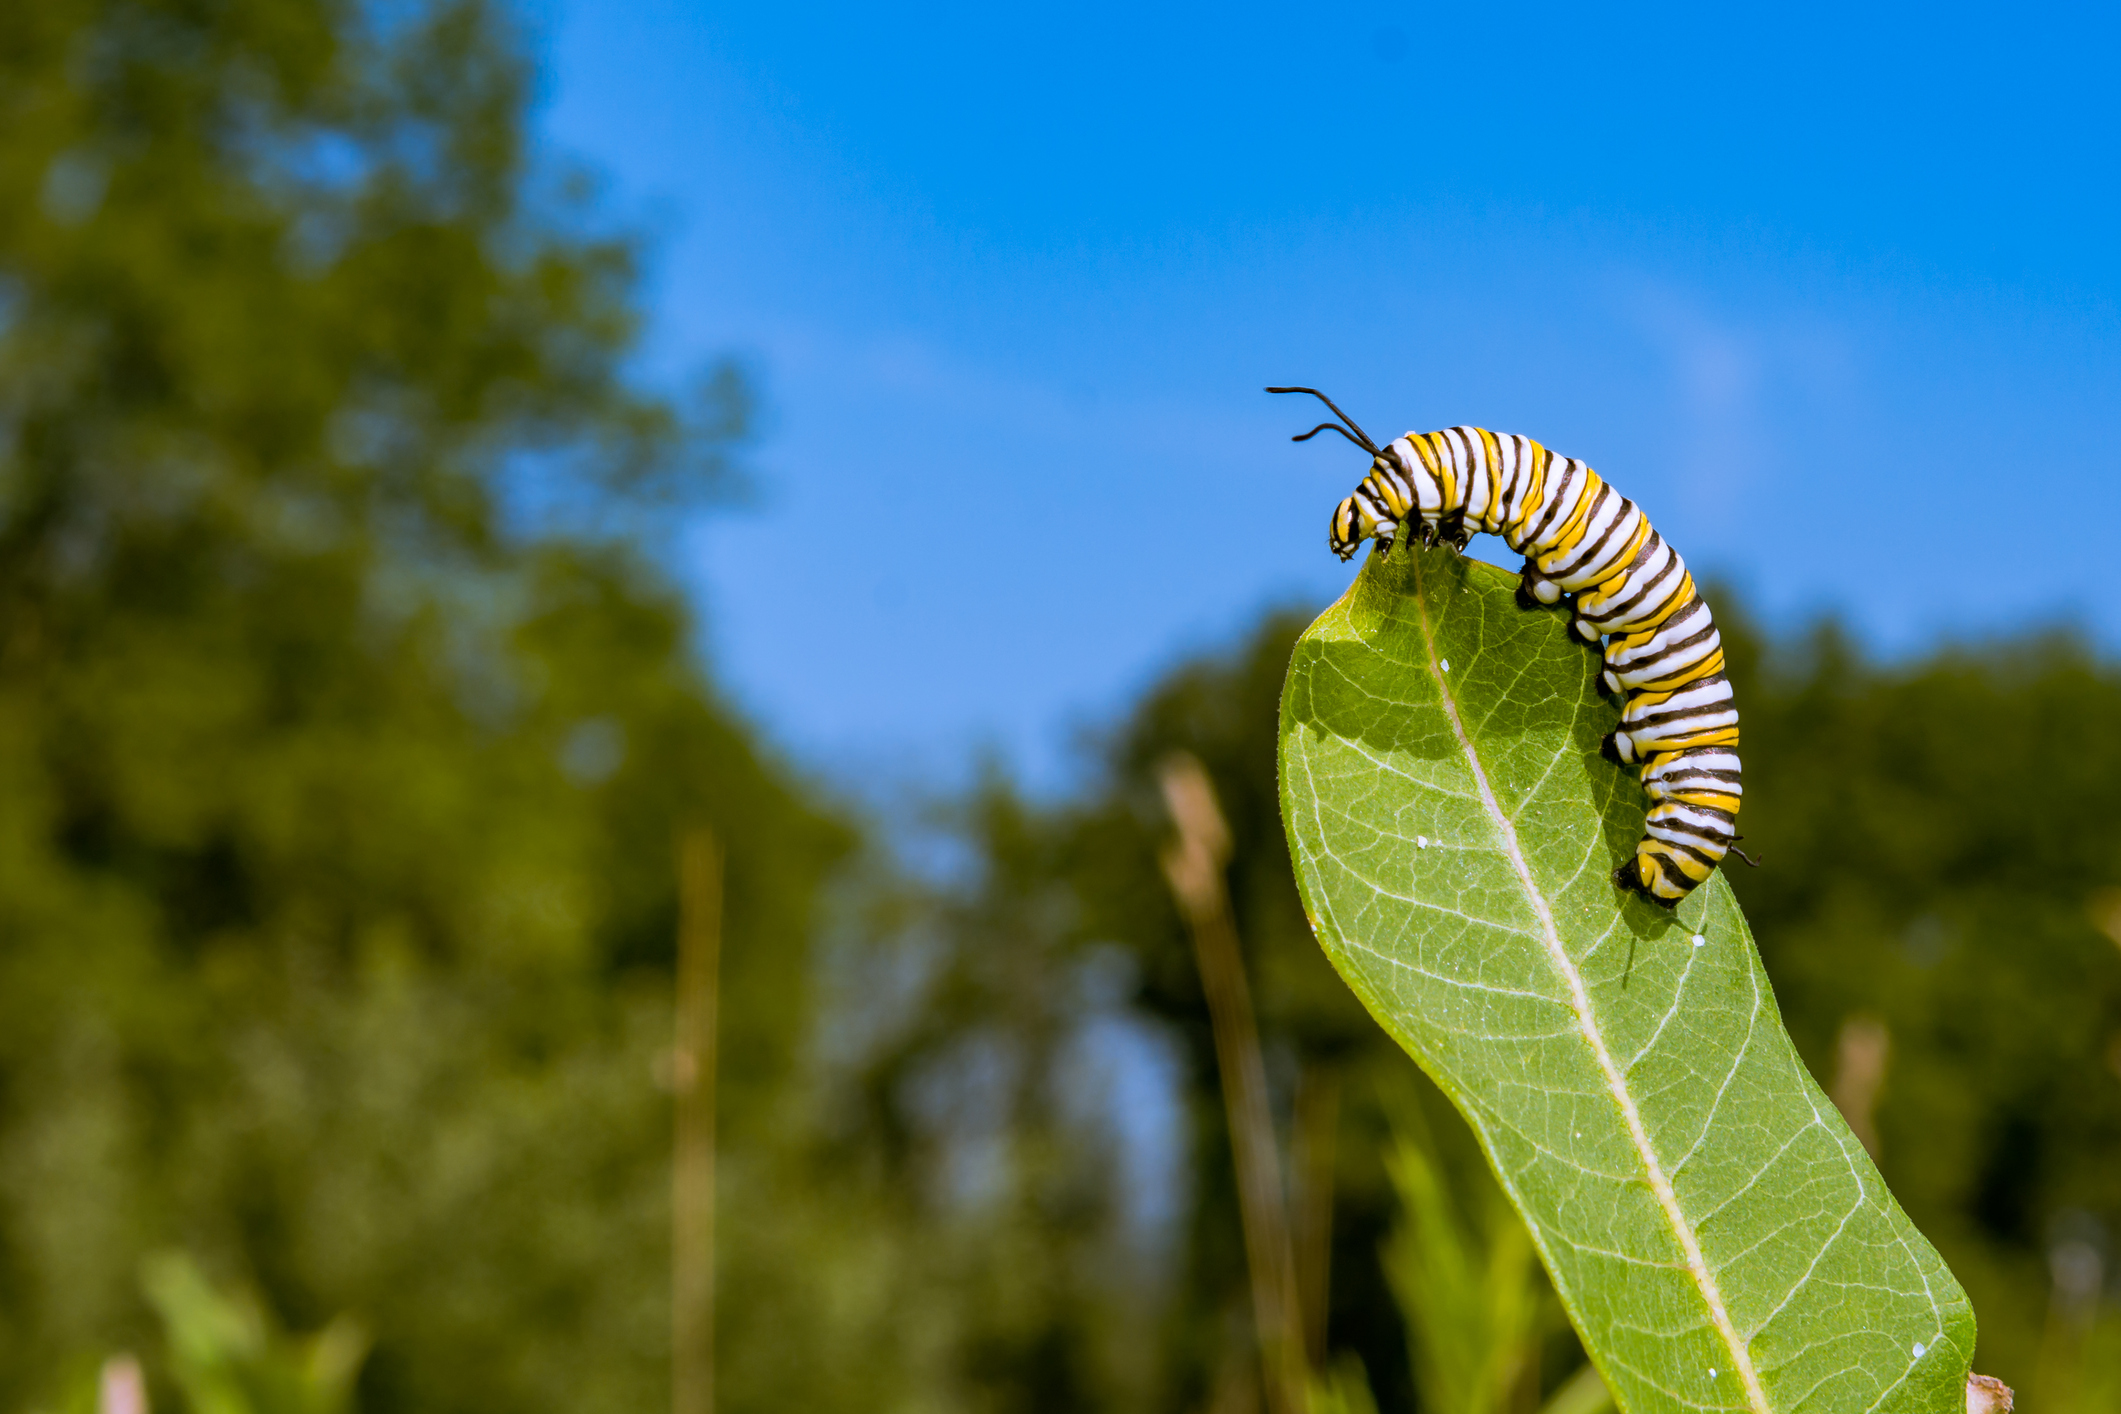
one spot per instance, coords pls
(1833, 293)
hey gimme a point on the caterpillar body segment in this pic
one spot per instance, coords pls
(1632, 594)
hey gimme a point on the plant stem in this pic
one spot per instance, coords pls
(692, 1084)
(1194, 865)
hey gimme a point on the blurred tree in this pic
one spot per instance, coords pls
(341, 740)
(983, 1063)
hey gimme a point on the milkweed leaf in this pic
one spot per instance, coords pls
(1718, 1236)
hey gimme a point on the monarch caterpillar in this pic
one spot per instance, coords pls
(1580, 537)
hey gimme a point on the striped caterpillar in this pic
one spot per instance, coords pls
(1580, 537)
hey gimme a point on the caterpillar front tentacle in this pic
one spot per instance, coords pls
(1535, 590)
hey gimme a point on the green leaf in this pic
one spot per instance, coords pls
(1718, 1236)
(1464, 1280)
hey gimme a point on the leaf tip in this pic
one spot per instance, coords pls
(1987, 1395)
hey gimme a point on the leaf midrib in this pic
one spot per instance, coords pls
(1587, 1022)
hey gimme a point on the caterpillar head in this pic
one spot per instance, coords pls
(1345, 535)
(1354, 521)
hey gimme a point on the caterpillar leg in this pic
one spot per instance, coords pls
(1535, 590)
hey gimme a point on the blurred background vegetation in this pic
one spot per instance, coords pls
(349, 710)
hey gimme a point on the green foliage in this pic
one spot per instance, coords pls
(971, 1103)
(1717, 1233)
(2096, 1372)
(223, 1353)
(1343, 1389)
(341, 747)
(1466, 1279)
(227, 1359)
(1477, 1305)
(1585, 1394)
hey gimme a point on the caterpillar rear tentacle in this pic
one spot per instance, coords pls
(1628, 593)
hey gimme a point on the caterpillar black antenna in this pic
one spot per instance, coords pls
(1334, 427)
(1360, 439)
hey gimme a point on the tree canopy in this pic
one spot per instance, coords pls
(343, 749)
